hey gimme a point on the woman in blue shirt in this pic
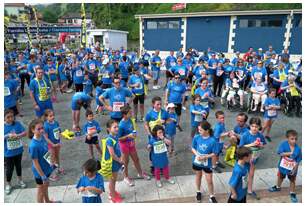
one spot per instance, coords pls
(13, 148)
(41, 159)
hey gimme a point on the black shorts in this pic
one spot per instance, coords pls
(290, 177)
(125, 79)
(85, 105)
(78, 87)
(178, 109)
(93, 140)
(230, 200)
(139, 98)
(117, 119)
(205, 169)
(15, 110)
(168, 74)
(39, 180)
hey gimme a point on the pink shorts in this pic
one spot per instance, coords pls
(127, 147)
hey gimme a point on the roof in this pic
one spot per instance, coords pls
(219, 13)
(106, 30)
(14, 5)
(75, 16)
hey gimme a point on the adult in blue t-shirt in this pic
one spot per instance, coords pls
(10, 93)
(79, 100)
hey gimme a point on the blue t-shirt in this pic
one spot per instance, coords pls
(87, 86)
(176, 91)
(218, 130)
(204, 100)
(239, 180)
(92, 126)
(85, 98)
(117, 99)
(181, 69)
(277, 74)
(112, 141)
(296, 156)
(107, 73)
(124, 69)
(197, 71)
(158, 61)
(44, 85)
(268, 102)
(240, 130)
(170, 128)
(159, 152)
(241, 72)
(259, 72)
(12, 147)
(248, 138)
(170, 62)
(78, 75)
(134, 79)
(53, 130)
(96, 182)
(196, 119)
(152, 115)
(48, 68)
(203, 146)
(126, 127)
(99, 92)
(10, 87)
(38, 149)
(92, 66)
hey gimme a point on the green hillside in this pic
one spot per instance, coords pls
(121, 16)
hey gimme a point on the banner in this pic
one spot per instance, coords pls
(44, 29)
(83, 29)
(178, 6)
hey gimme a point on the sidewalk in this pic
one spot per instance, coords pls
(182, 191)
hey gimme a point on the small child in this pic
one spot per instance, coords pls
(87, 85)
(91, 129)
(204, 149)
(291, 156)
(256, 141)
(238, 181)
(157, 144)
(198, 114)
(271, 105)
(113, 150)
(170, 127)
(219, 133)
(91, 183)
(53, 135)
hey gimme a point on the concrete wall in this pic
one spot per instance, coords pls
(115, 40)
(204, 32)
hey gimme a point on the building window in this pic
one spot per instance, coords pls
(151, 25)
(246, 23)
(162, 25)
(275, 23)
(174, 24)
(243, 23)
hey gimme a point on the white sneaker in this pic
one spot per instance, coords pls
(158, 87)
(22, 184)
(154, 87)
(144, 176)
(159, 184)
(184, 108)
(8, 189)
(129, 182)
(170, 181)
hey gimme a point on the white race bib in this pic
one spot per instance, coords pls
(198, 118)
(201, 162)
(204, 104)
(92, 130)
(7, 91)
(181, 72)
(47, 157)
(88, 194)
(105, 75)
(244, 182)
(117, 106)
(287, 163)
(92, 66)
(79, 73)
(172, 64)
(159, 147)
(56, 133)
(13, 144)
(271, 113)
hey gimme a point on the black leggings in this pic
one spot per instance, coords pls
(294, 103)
(78, 87)
(24, 77)
(10, 163)
(218, 83)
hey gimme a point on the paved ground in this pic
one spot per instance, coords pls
(182, 191)
(75, 152)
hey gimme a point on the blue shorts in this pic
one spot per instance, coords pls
(116, 166)
(156, 74)
(270, 118)
(42, 107)
(219, 147)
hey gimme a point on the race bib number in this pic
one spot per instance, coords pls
(294, 91)
(257, 74)
(256, 154)
(160, 147)
(43, 94)
(271, 113)
(287, 163)
(79, 73)
(140, 86)
(13, 144)
(7, 91)
(117, 106)
(201, 162)
(204, 104)
(105, 75)
(88, 194)
(56, 133)
(172, 64)
(47, 157)
(92, 130)
(92, 66)
(219, 73)
(244, 182)
(198, 118)
(158, 64)
(182, 72)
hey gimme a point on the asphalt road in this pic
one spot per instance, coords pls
(75, 152)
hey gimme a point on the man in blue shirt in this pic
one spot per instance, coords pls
(91, 67)
(10, 93)
(155, 66)
(79, 100)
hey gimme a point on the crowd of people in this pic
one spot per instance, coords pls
(257, 82)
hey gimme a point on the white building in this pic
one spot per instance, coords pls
(108, 38)
(14, 8)
(76, 20)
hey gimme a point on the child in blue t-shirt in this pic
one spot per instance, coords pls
(198, 113)
(91, 130)
(53, 135)
(290, 158)
(91, 183)
(157, 144)
(204, 148)
(170, 127)
(239, 179)
(87, 85)
(271, 105)
(256, 141)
